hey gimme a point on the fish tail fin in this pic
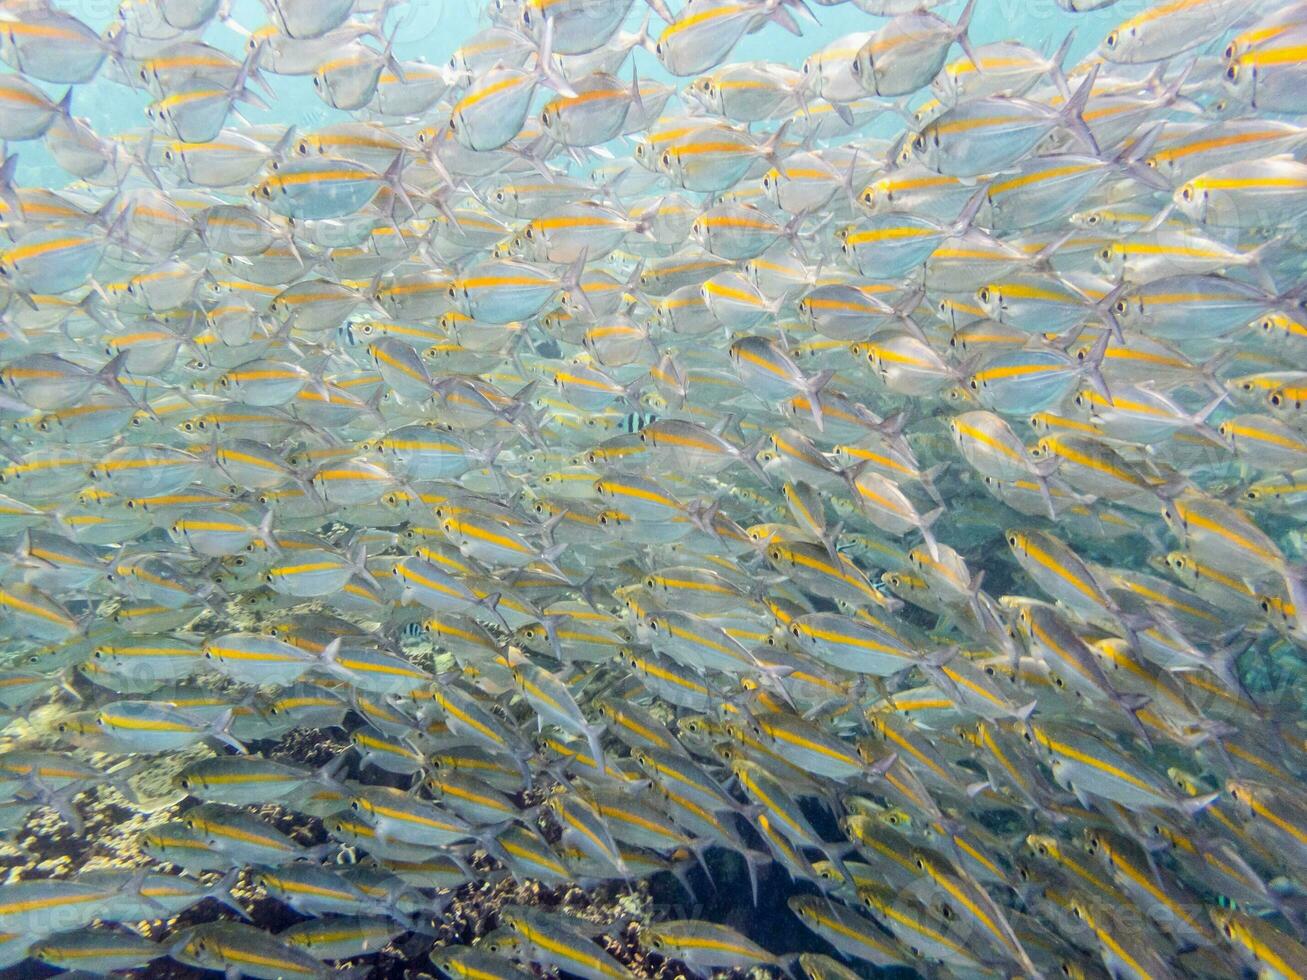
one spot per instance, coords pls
(927, 534)
(1132, 704)
(108, 377)
(1072, 113)
(660, 8)
(593, 735)
(749, 457)
(682, 875)
(221, 891)
(631, 391)
(60, 800)
(1093, 364)
(115, 46)
(220, 728)
(770, 149)
(843, 111)
(490, 603)
(8, 192)
(1133, 156)
(1171, 94)
(1106, 309)
(960, 34)
(637, 101)
(967, 216)
(847, 177)
(751, 864)
(1295, 584)
(546, 70)
(1058, 60)
(571, 282)
(1194, 805)
(1198, 419)
(775, 11)
(388, 49)
(830, 541)
(394, 179)
(812, 388)
(281, 148)
(240, 87)
(1254, 261)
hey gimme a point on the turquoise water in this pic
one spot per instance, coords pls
(474, 543)
(431, 30)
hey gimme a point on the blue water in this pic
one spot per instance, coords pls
(432, 30)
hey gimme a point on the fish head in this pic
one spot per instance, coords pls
(1191, 199)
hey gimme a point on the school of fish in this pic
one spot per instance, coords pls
(884, 477)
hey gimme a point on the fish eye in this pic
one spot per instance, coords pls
(1120, 306)
(1113, 39)
(1187, 193)
(1232, 71)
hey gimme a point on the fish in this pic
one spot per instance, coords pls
(244, 949)
(568, 456)
(907, 53)
(705, 944)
